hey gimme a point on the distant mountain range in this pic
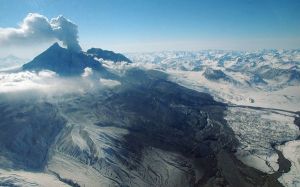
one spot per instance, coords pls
(11, 62)
(268, 68)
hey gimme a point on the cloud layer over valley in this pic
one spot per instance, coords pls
(49, 83)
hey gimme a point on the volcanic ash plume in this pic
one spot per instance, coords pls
(36, 28)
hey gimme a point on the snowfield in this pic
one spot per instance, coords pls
(287, 98)
(30, 179)
(291, 150)
(257, 131)
(269, 78)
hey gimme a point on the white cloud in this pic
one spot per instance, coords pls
(36, 29)
(21, 81)
(47, 82)
(47, 74)
(87, 72)
(109, 82)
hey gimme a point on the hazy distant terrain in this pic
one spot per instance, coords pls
(11, 62)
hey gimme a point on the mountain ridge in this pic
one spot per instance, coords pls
(66, 62)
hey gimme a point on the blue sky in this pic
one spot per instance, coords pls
(154, 25)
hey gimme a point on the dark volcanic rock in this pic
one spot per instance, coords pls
(63, 61)
(212, 74)
(257, 80)
(108, 55)
(219, 75)
(27, 132)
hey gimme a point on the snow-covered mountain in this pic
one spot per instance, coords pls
(208, 118)
(272, 67)
(232, 76)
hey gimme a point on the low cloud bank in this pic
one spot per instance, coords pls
(49, 83)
